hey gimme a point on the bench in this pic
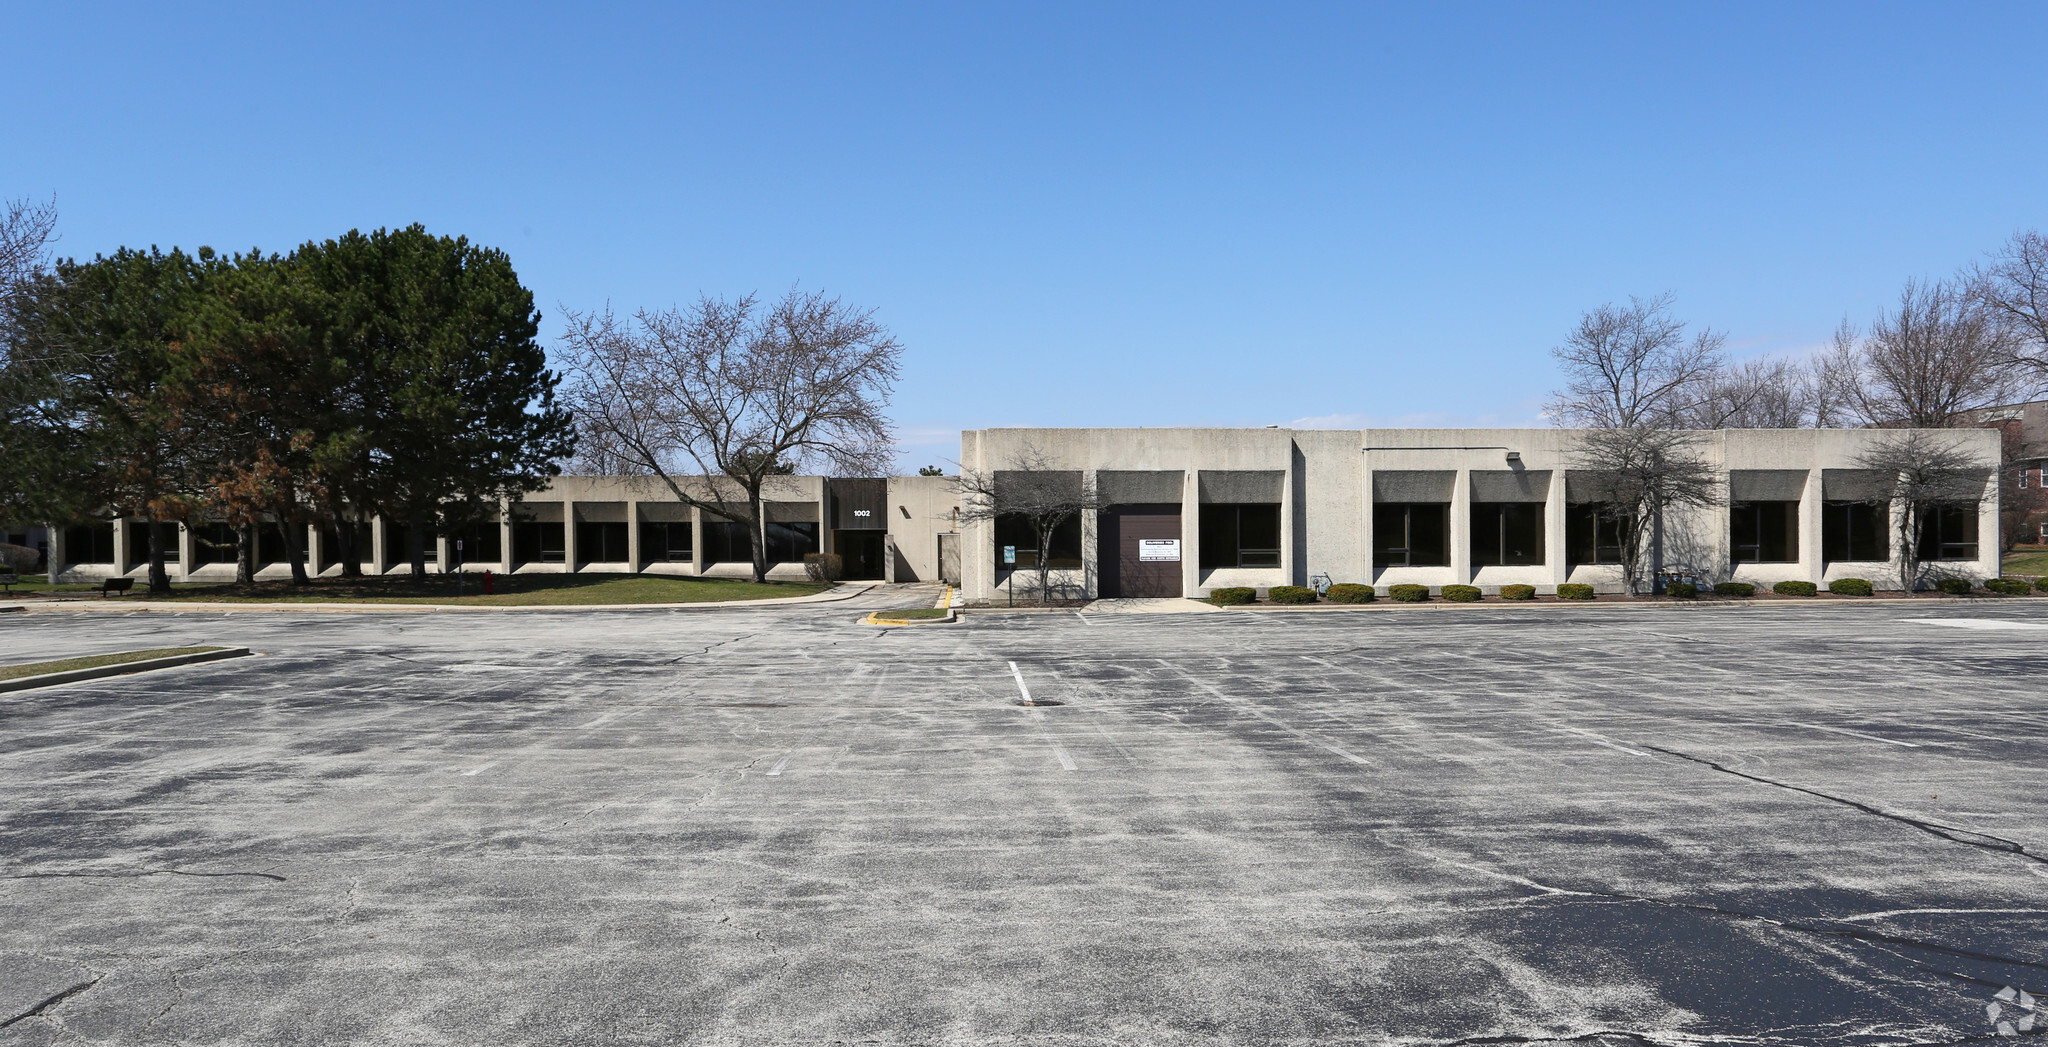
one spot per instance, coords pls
(10, 580)
(116, 585)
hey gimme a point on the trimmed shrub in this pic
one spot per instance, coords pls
(1461, 593)
(1574, 591)
(1518, 592)
(1737, 589)
(2007, 586)
(1233, 596)
(1409, 593)
(1851, 587)
(1796, 589)
(1682, 590)
(2041, 583)
(1291, 594)
(823, 567)
(17, 559)
(1349, 592)
(1955, 586)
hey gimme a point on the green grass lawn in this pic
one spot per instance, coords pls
(2027, 560)
(15, 672)
(911, 614)
(562, 590)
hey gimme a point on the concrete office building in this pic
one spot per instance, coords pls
(1194, 510)
(1191, 510)
(894, 529)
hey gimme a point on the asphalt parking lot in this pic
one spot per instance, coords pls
(775, 826)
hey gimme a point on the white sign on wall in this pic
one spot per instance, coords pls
(1159, 549)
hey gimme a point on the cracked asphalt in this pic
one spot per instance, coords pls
(776, 826)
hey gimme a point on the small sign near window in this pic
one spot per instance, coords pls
(1009, 554)
(862, 512)
(1159, 549)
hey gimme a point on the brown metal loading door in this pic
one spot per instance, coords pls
(1133, 541)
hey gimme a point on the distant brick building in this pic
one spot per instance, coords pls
(2024, 501)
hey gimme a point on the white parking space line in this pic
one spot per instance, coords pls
(1084, 618)
(1066, 759)
(780, 764)
(1263, 715)
(1986, 624)
(1014, 671)
(1854, 734)
(479, 769)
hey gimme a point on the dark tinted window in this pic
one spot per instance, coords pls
(1949, 532)
(1411, 534)
(537, 542)
(791, 542)
(665, 541)
(1855, 531)
(1507, 534)
(727, 542)
(330, 544)
(481, 543)
(138, 541)
(214, 543)
(1018, 531)
(1764, 532)
(89, 543)
(1589, 537)
(1242, 535)
(598, 542)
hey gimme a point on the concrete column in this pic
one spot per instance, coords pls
(696, 540)
(316, 548)
(1461, 527)
(1190, 531)
(1812, 560)
(438, 558)
(504, 536)
(378, 553)
(1556, 537)
(569, 560)
(187, 549)
(1367, 565)
(1989, 563)
(53, 561)
(633, 534)
(1289, 568)
(120, 545)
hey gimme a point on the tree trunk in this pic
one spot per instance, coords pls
(245, 554)
(159, 579)
(760, 542)
(345, 545)
(1045, 566)
(416, 549)
(1909, 549)
(294, 550)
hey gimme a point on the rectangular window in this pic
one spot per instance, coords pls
(791, 542)
(1015, 530)
(1411, 534)
(537, 542)
(330, 544)
(213, 543)
(1243, 535)
(1764, 532)
(1948, 532)
(665, 542)
(1507, 534)
(482, 543)
(1590, 536)
(89, 543)
(727, 542)
(1855, 531)
(138, 541)
(598, 542)
(398, 542)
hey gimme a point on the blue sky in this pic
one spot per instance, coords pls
(1089, 214)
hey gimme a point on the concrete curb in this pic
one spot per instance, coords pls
(1572, 606)
(945, 602)
(829, 596)
(121, 669)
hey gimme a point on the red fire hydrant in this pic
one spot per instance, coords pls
(488, 590)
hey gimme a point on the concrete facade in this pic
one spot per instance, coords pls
(919, 510)
(1326, 479)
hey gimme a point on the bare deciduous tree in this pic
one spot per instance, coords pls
(1631, 367)
(1929, 470)
(1635, 476)
(27, 229)
(2014, 288)
(1938, 353)
(734, 394)
(1765, 393)
(1033, 489)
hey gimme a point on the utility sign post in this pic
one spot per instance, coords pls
(1010, 559)
(458, 567)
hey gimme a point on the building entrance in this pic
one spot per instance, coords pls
(860, 554)
(1139, 551)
